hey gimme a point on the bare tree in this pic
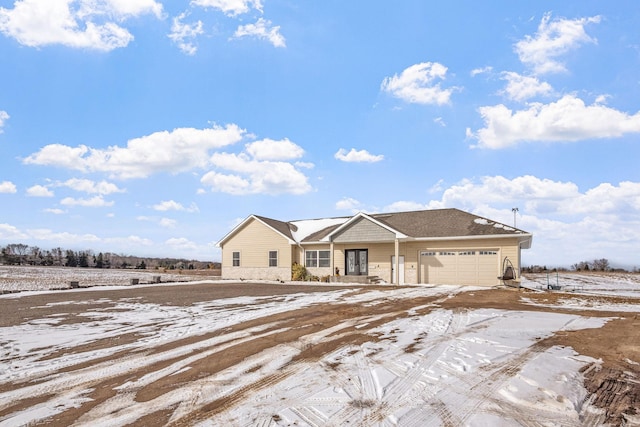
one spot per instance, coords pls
(601, 264)
(18, 250)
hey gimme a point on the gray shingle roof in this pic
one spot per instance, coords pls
(284, 228)
(443, 223)
(435, 223)
(425, 224)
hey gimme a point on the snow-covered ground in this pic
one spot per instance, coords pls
(27, 278)
(616, 284)
(427, 366)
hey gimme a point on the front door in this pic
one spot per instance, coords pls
(357, 261)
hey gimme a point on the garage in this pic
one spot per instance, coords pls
(460, 267)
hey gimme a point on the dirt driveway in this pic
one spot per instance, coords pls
(176, 335)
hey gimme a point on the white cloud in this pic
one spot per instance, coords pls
(521, 88)
(230, 7)
(304, 165)
(7, 187)
(177, 151)
(60, 155)
(94, 202)
(484, 70)
(419, 84)
(226, 183)
(530, 192)
(72, 23)
(167, 222)
(567, 119)
(263, 30)
(543, 197)
(553, 39)
(348, 204)
(39, 191)
(184, 34)
(91, 187)
(129, 241)
(67, 239)
(250, 176)
(54, 211)
(260, 169)
(181, 243)
(4, 116)
(9, 232)
(125, 8)
(61, 238)
(171, 205)
(357, 156)
(404, 206)
(268, 149)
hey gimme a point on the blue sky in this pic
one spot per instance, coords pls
(152, 128)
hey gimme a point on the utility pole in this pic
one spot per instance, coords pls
(514, 210)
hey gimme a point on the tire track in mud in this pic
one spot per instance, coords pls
(482, 387)
(369, 402)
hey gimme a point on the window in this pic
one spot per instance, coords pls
(236, 259)
(447, 253)
(467, 253)
(488, 253)
(317, 259)
(427, 254)
(273, 258)
(324, 259)
(311, 259)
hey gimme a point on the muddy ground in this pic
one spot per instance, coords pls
(613, 385)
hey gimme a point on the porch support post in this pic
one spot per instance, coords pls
(396, 279)
(331, 263)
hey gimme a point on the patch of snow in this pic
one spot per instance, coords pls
(308, 227)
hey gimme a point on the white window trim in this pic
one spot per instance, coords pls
(317, 258)
(269, 258)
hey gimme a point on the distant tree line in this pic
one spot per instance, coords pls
(601, 264)
(21, 254)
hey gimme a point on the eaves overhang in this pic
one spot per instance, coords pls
(524, 238)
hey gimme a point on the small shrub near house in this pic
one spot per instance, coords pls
(299, 272)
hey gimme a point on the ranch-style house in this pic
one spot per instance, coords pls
(442, 246)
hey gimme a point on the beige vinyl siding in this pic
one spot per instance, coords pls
(254, 241)
(364, 230)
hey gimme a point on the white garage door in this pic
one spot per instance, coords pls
(460, 267)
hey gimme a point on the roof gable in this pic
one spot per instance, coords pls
(364, 230)
(363, 227)
(279, 227)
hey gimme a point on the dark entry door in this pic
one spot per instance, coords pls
(357, 261)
